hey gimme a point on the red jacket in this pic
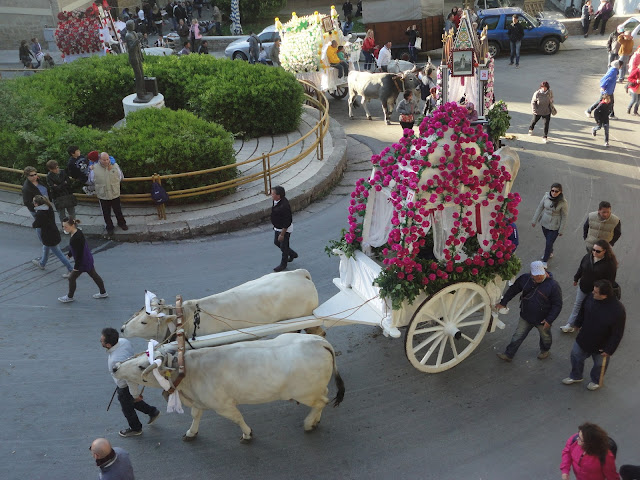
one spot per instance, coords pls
(587, 467)
(369, 44)
(634, 79)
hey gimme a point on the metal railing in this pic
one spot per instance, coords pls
(313, 96)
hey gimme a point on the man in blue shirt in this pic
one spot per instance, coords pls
(607, 86)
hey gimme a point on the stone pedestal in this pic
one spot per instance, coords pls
(130, 106)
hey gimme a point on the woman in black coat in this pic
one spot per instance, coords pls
(45, 220)
(33, 186)
(600, 264)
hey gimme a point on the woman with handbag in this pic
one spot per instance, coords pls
(600, 264)
(61, 194)
(552, 213)
(45, 220)
(79, 249)
(542, 106)
(589, 454)
(406, 108)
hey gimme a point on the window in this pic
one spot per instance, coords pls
(490, 22)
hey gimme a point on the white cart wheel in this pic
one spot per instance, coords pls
(447, 327)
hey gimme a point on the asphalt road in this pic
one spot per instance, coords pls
(484, 419)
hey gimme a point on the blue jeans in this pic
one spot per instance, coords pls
(342, 67)
(515, 51)
(368, 60)
(635, 102)
(578, 356)
(623, 71)
(521, 333)
(550, 237)
(58, 253)
(413, 53)
(606, 130)
(580, 296)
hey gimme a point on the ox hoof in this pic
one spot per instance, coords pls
(244, 440)
(369, 118)
(351, 117)
(186, 438)
(313, 428)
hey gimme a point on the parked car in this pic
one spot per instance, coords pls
(239, 49)
(542, 34)
(485, 4)
(632, 26)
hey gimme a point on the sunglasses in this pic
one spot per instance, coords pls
(33, 175)
(555, 190)
(596, 250)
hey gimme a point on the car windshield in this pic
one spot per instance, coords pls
(532, 20)
(631, 24)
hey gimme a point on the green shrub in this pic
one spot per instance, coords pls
(267, 101)
(165, 141)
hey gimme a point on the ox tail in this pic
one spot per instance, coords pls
(338, 379)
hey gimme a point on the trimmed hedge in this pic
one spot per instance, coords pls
(44, 113)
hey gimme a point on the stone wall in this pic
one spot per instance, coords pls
(24, 19)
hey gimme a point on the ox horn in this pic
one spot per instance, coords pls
(149, 369)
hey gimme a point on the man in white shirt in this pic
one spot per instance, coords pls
(120, 349)
(384, 57)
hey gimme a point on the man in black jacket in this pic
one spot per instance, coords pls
(282, 221)
(540, 305)
(601, 321)
(516, 34)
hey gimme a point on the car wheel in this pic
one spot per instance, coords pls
(494, 49)
(550, 46)
(239, 56)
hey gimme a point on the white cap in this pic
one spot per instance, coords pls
(537, 268)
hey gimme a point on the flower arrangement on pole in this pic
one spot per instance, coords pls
(499, 120)
(452, 209)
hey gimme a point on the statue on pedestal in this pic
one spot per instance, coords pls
(132, 39)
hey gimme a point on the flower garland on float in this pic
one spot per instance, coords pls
(78, 31)
(304, 41)
(449, 169)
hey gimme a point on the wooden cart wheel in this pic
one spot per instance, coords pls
(341, 92)
(311, 92)
(447, 327)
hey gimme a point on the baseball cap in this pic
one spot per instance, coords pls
(537, 268)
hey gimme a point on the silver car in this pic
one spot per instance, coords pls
(239, 49)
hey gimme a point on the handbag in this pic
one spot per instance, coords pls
(406, 118)
(418, 44)
(553, 110)
(65, 201)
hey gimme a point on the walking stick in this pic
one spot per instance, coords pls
(112, 397)
(604, 366)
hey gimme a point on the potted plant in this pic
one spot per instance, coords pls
(499, 121)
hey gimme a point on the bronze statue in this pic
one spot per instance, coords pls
(132, 39)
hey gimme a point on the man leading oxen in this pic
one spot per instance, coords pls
(384, 86)
(268, 299)
(288, 367)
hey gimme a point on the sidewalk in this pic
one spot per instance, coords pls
(304, 182)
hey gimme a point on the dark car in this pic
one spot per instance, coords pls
(541, 34)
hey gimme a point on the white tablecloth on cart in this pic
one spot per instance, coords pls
(326, 80)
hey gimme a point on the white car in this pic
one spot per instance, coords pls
(632, 26)
(239, 49)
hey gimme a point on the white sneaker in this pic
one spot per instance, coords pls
(587, 113)
(66, 275)
(569, 381)
(65, 299)
(606, 144)
(36, 262)
(530, 132)
(545, 140)
(567, 328)
(593, 386)
(100, 295)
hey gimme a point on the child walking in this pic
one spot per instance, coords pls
(601, 115)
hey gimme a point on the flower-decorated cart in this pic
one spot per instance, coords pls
(428, 240)
(304, 50)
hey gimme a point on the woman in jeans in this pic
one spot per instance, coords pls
(541, 103)
(634, 90)
(45, 220)
(368, 46)
(600, 264)
(552, 214)
(79, 248)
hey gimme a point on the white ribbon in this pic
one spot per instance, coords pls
(173, 404)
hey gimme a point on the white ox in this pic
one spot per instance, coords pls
(384, 86)
(289, 367)
(268, 299)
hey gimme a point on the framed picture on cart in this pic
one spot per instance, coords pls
(327, 24)
(462, 63)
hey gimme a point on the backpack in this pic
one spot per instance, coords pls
(613, 446)
(158, 194)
